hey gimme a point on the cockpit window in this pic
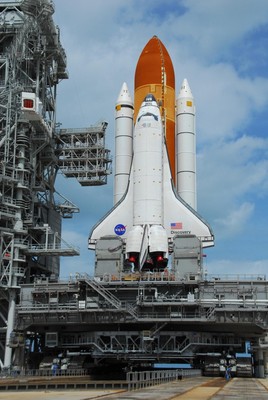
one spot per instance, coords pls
(148, 114)
(150, 97)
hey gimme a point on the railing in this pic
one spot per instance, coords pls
(142, 379)
(15, 372)
(236, 277)
(189, 373)
(134, 380)
(139, 276)
(106, 294)
(167, 276)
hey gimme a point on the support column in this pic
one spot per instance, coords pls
(260, 364)
(10, 327)
(265, 363)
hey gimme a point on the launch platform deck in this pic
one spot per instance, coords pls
(145, 321)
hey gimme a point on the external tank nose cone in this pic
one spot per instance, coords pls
(153, 60)
(155, 74)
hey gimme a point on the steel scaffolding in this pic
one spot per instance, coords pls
(32, 63)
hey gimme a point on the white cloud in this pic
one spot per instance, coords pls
(211, 27)
(232, 268)
(225, 102)
(229, 171)
(234, 221)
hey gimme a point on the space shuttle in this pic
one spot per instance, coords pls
(155, 173)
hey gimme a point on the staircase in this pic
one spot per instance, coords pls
(106, 294)
(112, 300)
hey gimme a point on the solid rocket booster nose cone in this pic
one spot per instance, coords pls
(185, 90)
(124, 96)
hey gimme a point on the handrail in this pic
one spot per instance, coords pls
(141, 379)
(15, 372)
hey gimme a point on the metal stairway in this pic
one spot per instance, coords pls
(113, 300)
(106, 294)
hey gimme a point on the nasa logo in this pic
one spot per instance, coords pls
(119, 229)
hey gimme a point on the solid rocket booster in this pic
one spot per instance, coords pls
(123, 141)
(186, 145)
(155, 74)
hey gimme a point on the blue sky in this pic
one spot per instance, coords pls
(220, 46)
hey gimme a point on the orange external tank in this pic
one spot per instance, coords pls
(155, 74)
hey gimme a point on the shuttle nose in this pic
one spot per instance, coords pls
(149, 98)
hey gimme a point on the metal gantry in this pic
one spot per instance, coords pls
(82, 154)
(152, 319)
(32, 63)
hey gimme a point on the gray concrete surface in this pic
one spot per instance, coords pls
(200, 388)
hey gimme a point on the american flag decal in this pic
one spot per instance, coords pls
(176, 225)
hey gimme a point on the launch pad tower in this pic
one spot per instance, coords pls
(32, 151)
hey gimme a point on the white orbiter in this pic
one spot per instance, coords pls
(150, 213)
